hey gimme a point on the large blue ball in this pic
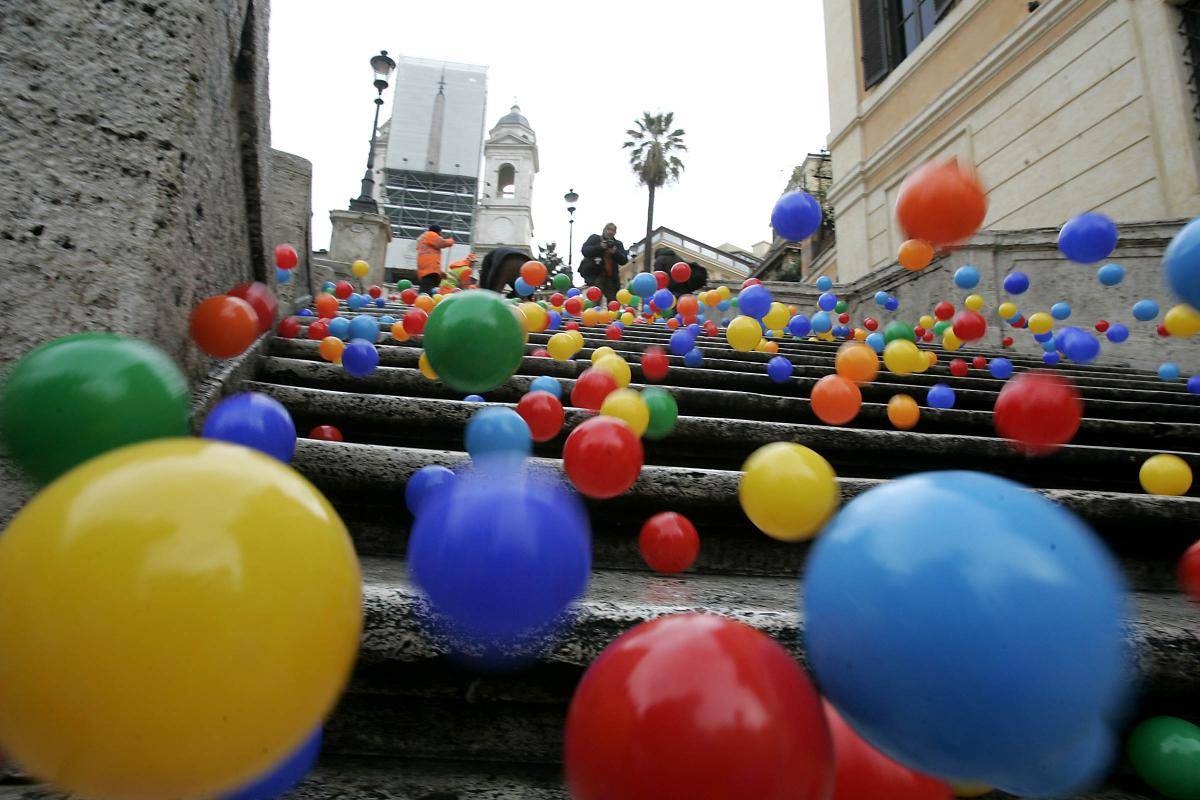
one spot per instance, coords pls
(360, 358)
(754, 301)
(544, 383)
(1000, 368)
(364, 326)
(681, 341)
(799, 326)
(664, 300)
(824, 283)
(498, 431)
(1088, 238)
(1001, 606)
(693, 358)
(1060, 310)
(1016, 282)
(1193, 384)
(255, 420)
(356, 301)
(425, 484)
(1078, 345)
(1168, 371)
(940, 396)
(522, 288)
(779, 369)
(1181, 264)
(966, 277)
(827, 301)
(876, 341)
(1117, 333)
(380, 302)
(1110, 274)
(340, 327)
(1145, 310)
(644, 284)
(283, 275)
(796, 216)
(821, 322)
(285, 775)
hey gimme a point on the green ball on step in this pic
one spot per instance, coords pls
(474, 341)
(1165, 752)
(899, 330)
(663, 412)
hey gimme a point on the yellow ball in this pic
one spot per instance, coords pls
(179, 616)
(743, 333)
(901, 357)
(777, 317)
(1041, 322)
(973, 302)
(788, 491)
(950, 341)
(1007, 310)
(331, 348)
(627, 405)
(534, 317)
(723, 292)
(601, 352)
(1165, 474)
(860, 334)
(711, 299)
(1182, 321)
(970, 789)
(426, 368)
(615, 366)
(624, 296)
(577, 338)
(922, 364)
(628, 318)
(561, 346)
(926, 322)
(360, 268)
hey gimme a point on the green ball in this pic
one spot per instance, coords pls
(841, 307)
(898, 330)
(562, 282)
(403, 284)
(1165, 752)
(663, 412)
(85, 394)
(940, 327)
(474, 341)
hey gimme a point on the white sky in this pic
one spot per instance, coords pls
(746, 82)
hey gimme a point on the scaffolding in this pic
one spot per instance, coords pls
(415, 200)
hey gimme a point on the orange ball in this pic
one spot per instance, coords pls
(836, 400)
(903, 411)
(916, 255)
(398, 332)
(424, 302)
(327, 306)
(224, 326)
(688, 306)
(533, 273)
(770, 347)
(331, 349)
(941, 202)
(857, 362)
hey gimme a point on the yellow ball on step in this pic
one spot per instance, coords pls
(1165, 474)
(627, 405)
(425, 367)
(561, 346)
(788, 491)
(615, 366)
(743, 333)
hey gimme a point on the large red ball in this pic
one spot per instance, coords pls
(593, 293)
(261, 299)
(375, 292)
(681, 272)
(288, 328)
(286, 256)
(326, 433)
(943, 310)
(342, 290)
(590, 389)
(602, 457)
(958, 367)
(941, 202)
(223, 326)
(970, 326)
(612, 332)
(863, 773)
(979, 362)
(409, 296)
(655, 364)
(697, 706)
(574, 305)
(543, 413)
(1189, 572)
(318, 330)
(1038, 412)
(414, 321)
(669, 542)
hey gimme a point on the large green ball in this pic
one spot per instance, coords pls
(85, 394)
(562, 282)
(474, 341)
(1165, 752)
(663, 412)
(898, 330)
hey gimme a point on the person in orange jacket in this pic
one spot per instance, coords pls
(429, 258)
(460, 271)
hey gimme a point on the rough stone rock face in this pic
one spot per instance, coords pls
(291, 220)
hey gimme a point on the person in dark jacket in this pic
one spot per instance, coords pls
(500, 268)
(603, 256)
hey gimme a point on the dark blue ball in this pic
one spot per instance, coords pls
(779, 369)
(254, 420)
(754, 301)
(681, 341)
(1181, 264)
(1000, 368)
(1088, 238)
(1117, 333)
(693, 357)
(796, 216)
(827, 301)
(1016, 282)
(892, 304)
(940, 396)
(284, 776)
(360, 358)
(425, 484)
(799, 326)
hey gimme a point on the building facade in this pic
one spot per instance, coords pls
(1063, 106)
(504, 216)
(722, 265)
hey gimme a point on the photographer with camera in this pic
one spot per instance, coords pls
(603, 256)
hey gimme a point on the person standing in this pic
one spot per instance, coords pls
(603, 256)
(429, 259)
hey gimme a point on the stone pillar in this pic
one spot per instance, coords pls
(359, 235)
(291, 221)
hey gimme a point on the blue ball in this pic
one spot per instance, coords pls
(1110, 274)
(694, 328)
(1079, 345)
(1193, 384)
(1043, 592)
(821, 322)
(473, 398)
(881, 298)
(779, 369)
(574, 291)
(498, 431)
(681, 341)
(644, 284)
(254, 420)
(1043, 337)
(892, 304)
(966, 277)
(1060, 310)
(501, 582)
(799, 326)
(554, 320)
(824, 283)
(1049, 346)
(340, 327)
(876, 341)
(425, 484)
(1088, 238)
(840, 331)
(380, 302)
(754, 301)
(387, 319)
(940, 396)
(1117, 333)
(522, 288)
(1181, 264)
(1000, 368)
(693, 357)
(305, 312)
(1016, 283)
(360, 358)
(544, 383)
(724, 305)
(827, 301)
(285, 775)
(664, 300)
(356, 301)
(1145, 310)
(364, 327)
(1168, 371)
(1051, 358)
(796, 216)
(328, 286)
(283, 275)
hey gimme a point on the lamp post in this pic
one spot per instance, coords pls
(572, 198)
(382, 65)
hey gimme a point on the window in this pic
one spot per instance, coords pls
(505, 180)
(892, 29)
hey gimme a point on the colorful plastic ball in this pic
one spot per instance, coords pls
(668, 542)
(663, 299)
(1168, 371)
(940, 396)
(1038, 412)
(824, 283)
(1016, 283)
(533, 273)
(1007, 310)
(473, 398)
(664, 413)
(1189, 572)
(522, 288)
(254, 420)
(261, 299)
(903, 412)
(857, 362)
(364, 327)
(398, 333)
(1110, 274)
(655, 364)
(796, 216)
(754, 301)
(543, 413)
(1117, 333)
(1060, 310)
(602, 457)
(1165, 474)
(326, 433)
(340, 328)
(1007, 341)
(360, 268)
(695, 357)
(426, 368)
(875, 341)
(616, 366)
(899, 330)
(836, 400)
(1181, 264)
(356, 301)
(900, 357)
(415, 321)
(680, 272)
(172, 518)
(1041, 322)
(223, 326)
(943, 310)
(958, 368)
(827, 301)
(941, 202)
(881, 297)
(342, 290)
(288, 328)
(1162, 331)
(1165, 753)
(743, 333)
(1051, 358)
(78, 396)
(286, 257)
(891, 304)
(681, 341)
(360, 358)
(1088, 238)
(561, 282)
(1001, 368)
(1182, 320)
(1078, 345)
(282, 276)
(1145, 310)
(1193, 384)
(561, 346)
(627, 405)
(285, 775)
(498, 432)
(643, 284)
(969, 326)
(915, 255)
(966, 277)
(779, 369)
(495, 336)
(821, 322)
(545, 383)
(591, 387)
(425, 484)
(862, 772)
(327, 306)
(787, 490)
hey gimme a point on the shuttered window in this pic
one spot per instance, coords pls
(875, 21)
(892, 29)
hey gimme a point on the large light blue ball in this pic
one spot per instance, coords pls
(1181, 264)
(966, 277)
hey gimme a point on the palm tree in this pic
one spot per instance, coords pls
(653, 147)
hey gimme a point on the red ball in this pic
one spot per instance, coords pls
(958, 367)
(1189, 572)
(408, 296)
(669, 542)
(696, 706)
(557, 299)
(602, 457)
(318, 330)
(1102, 325)
(836, 400)
(919, 331)
(927, 336)
(979, 362)
(570, 326)
(574, 305)
(863, 773)
(288, 328)
(540, 353)
(613, 305)
(375, 292)
(943, 310)
(1007, 341)
(1021, 322)
(672, 323)
(1162, 330)
(711, 328)
(223, 326)
(414, 321)
(342, 290)
(261, 299)
(751, 282)
(1038, 412)
(593, 293)
(655, 364)
(970, 326)
(286, 256)
(870, 323)
(591, 387)
(543, 413)
(326, 433)
(843, 318)
(661, 278)
(681, 272)
(612, 332)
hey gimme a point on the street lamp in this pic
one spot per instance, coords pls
(382, 65)
(572, 198)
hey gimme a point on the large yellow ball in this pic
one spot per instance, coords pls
(627, 318)
(561, 346)
(1165, 474)
(426, 368)
(577, 338)
(1182, 321)
(777, 317)
(723, 292)
(360, 268)
(624, 296)
(601, 352)
(973, 302)
(743, 333)
(1041, 322)
(178, 616)
(1007, 310)
(617, 367)
(788, 491)
(950, 341)
(901, 357)
(627, 405)
(534, 317)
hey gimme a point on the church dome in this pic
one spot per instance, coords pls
(514, 117)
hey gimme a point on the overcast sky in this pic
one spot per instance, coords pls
(746, 82)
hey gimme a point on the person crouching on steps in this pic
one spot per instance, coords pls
(429, 259)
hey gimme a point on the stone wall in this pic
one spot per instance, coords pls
(291, 220)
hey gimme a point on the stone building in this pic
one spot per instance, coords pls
(504, 215)
(732, 264)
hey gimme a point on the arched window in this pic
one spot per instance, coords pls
(506, 179)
